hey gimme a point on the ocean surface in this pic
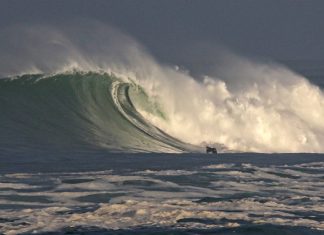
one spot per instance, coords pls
(102, 193)
(87, 153)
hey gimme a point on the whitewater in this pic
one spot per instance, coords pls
(97, 136)
(244, 105)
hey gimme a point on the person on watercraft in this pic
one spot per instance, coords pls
(211, 150)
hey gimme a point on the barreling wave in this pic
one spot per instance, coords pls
(239, 104)
(78, 111)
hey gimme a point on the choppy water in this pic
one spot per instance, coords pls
(163, 193)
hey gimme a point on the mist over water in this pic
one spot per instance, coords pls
(244, 104)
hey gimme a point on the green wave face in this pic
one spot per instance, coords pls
(78, 111)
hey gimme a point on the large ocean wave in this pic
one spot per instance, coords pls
(99, 88)
(78, 111)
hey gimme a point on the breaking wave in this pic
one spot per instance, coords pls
(96, 87)
(77, 110)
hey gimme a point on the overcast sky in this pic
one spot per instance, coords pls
(277, 29)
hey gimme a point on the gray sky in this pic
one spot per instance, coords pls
(277, 29)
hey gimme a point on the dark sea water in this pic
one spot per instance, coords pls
(105, 193)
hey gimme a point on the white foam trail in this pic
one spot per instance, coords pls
(267, 195)
(246, 106)
(133, 213)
